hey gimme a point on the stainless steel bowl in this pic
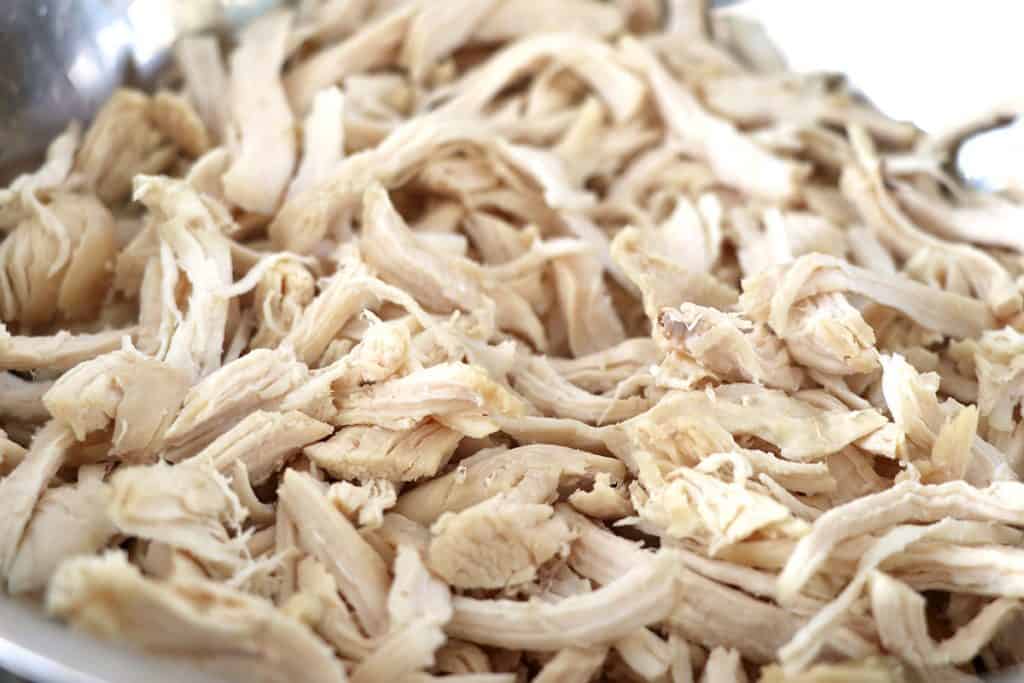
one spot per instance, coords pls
(63, 58)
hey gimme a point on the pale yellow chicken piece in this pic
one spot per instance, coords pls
(225, 630)
(497, 543)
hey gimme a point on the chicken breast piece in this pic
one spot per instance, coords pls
(731, 347)
(57, 262)
(714, 139)
(772, 296)
(261, 119)
(360, 573)
(602, 615)
(281, 296)
(61, 351)
(122, 142)
(116, 389)
(263, 442)
(259, 379)
(490, 473)
(537, 381)
(368, 452)
(232, 633)
(22, 488)
(905, 501)
(190, 228)
(188, 506)
(573, 665)
(664, 282)
(497, 543)
(780, 419)
(457, 395)
(69, 521)
(419, 606)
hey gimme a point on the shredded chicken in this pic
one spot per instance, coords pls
(61, 351)
(604, 614)
(263, 442)
(496, 543)
(117, 389)
(258, 379)
(221, 628)
(23, 488)
(69, 521)
(729, 346)
(362, 453)
(190, 507)
(906, 627)
(123, 141)
(261, 120)
(56, 262)
(573, 665)
(364, 503)
(191, 243)
(280, 298)
(458, 396)
(480, 342)
(327, 534)
(536, 473)
(873, 670)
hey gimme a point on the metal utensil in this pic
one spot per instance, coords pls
(63, 58)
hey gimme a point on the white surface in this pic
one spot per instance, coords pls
(936, 63)
(933, 62)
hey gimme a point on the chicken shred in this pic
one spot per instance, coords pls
(24, 486)
(361, 574)
(365, 452)
(497, 543)
(408, 341)
(229, 631)
(535, 472)
(56, 262)
(191, 508)
(261, 119)
(116, 389)
(69, 521)
(263, 442)
(603, 614)
(123, 142)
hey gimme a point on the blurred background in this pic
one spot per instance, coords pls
(936, 63)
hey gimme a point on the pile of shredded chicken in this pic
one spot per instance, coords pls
(408, 340)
